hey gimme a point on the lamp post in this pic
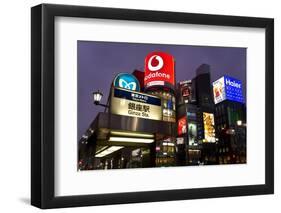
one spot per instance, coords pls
(97, 98)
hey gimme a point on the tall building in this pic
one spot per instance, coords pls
(203, 88)
(195, 111)
(206, 123)
(230, 118)
(159, 80)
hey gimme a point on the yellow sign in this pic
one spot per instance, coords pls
(209, 127)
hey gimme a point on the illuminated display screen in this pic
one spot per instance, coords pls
(192, 134)
(180, 140)
(228, 88)
(187, 93)
(182, 125)
(209, 127)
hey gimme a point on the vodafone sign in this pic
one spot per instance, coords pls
(159, 70)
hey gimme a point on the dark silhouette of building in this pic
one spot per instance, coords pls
(230, 118)
(203, 88)
(140, 76)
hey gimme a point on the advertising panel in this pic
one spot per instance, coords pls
(135, 104)
(180, 140)
(182, 125)
(228, 88)
(192, 133)
(159, 70)
(209, 127)
(126, 81)
(186, 90)
(233, 89)
(219, 90)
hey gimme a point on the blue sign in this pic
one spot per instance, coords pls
(139, 97)
(233, 89)
(228, 88)
(169, 104)
(126, 81)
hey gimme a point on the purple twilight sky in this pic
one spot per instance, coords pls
(99, 62)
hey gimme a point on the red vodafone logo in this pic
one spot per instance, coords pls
(159, 69)
(155, 63)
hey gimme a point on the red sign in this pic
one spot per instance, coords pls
(182, 125)
(159, 69)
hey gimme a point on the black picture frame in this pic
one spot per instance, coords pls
(43, 110)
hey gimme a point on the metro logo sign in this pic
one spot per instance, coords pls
(159, 70)
(228, 88)
(126, 81)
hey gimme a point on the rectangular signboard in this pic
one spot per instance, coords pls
(186, 92)
(228, 88)
(182, 125)
(192, 133)
(135, 104)
(209, 127)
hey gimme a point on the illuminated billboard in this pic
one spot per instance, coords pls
(209, 127)
(182, 125)
(180, 140)
(135, 104)
(159, 70)
(186, 92)
(228, 88)
(192, 133)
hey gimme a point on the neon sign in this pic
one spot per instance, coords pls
(159, 69)
(228, 88)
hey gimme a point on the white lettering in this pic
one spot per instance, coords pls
(131, 112)
(232, 83)
(157, 74)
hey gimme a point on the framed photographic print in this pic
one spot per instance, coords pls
(140, 106)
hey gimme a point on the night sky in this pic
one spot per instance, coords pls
(99, 62)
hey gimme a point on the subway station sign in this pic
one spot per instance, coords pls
(135, 104)
(228, 88)
(126, 81)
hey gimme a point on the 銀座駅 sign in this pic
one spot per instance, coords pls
(135, 104)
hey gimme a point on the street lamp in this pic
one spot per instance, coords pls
(97, 98)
